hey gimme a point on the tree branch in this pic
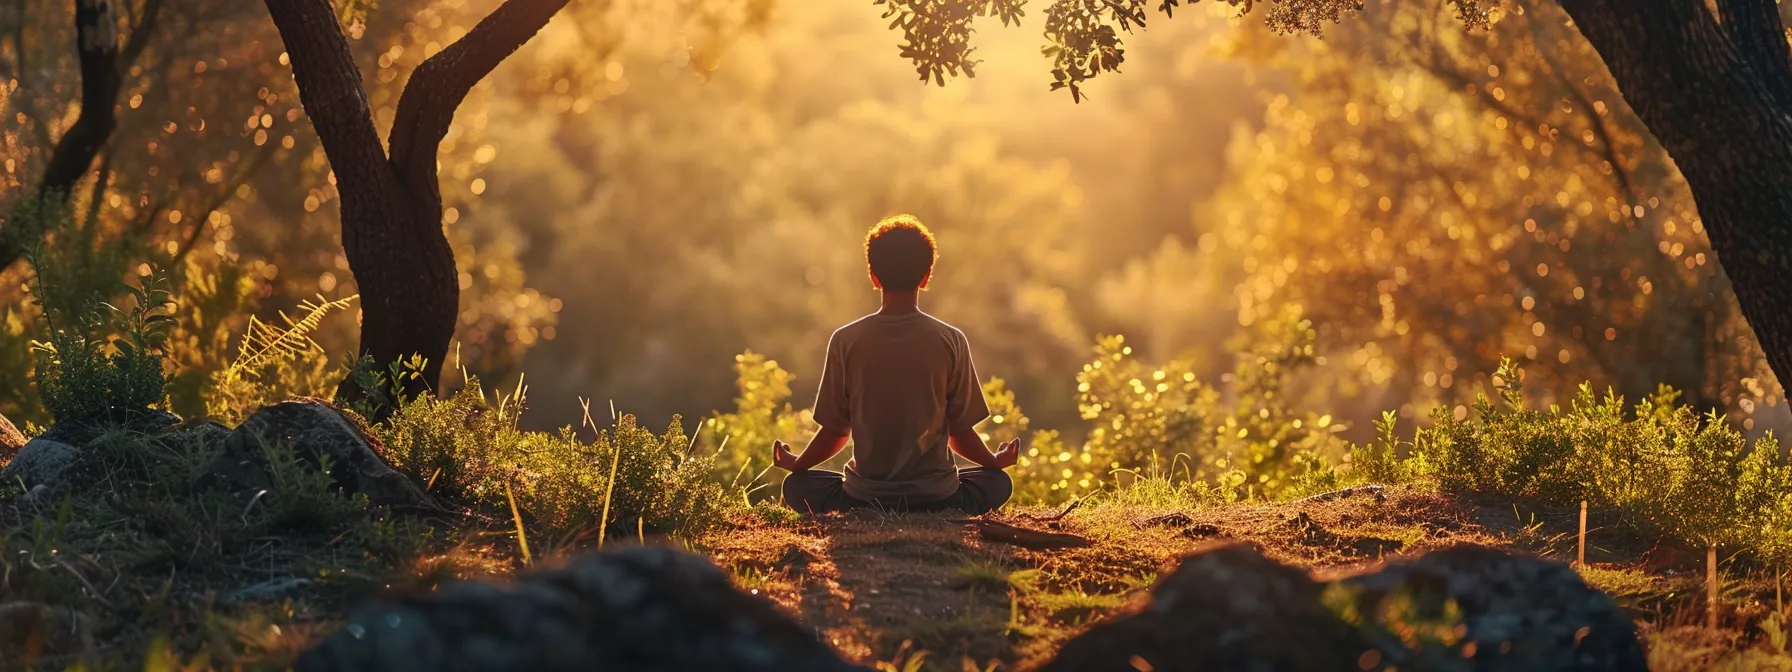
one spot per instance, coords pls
(437, 87)
(140, 35)
(330, 90)
(102, 77)
(1754, 27)
(1620, 175)
(96, 41)
(100, 181)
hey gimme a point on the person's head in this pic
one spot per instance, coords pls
(899, 252)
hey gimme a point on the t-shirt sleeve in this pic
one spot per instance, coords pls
(965, 405)
(832, 410)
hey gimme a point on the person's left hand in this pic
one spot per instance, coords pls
(782, 457)
(1008, 455)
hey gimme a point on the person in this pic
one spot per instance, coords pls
(901, 385)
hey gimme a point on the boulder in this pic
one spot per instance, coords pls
(1460, 609)
(1515, 612)
(314, 430)
(47, 458)
(1228, 608)
(41, 462)
(11, 439)
(639, 608)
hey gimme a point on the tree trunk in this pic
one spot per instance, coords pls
(392, 205)
(1718, 97)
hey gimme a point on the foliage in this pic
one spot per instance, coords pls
(468, 450)
(742, 440)
(1040, 473)
(1142, 414)
(83, 370)
(74, 277)
(138, 519)
(303, 498)
(216, 298)
(1083, 36)
(1255, 444)
(1667, 468)
(1530, 213)
(274, 363)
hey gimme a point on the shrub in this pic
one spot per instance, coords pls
(741, 441)
(1690, 477)
(471, 452)
(1047, 472)
(83, 371)
(1140, 414)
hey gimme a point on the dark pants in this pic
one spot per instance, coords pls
(980, 490)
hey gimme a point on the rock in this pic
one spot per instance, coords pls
(314, 430)
(31, 632)
(1517, 612)
(41, 462)
(1465, 608)
(46, 459)
(639, 608)
(1228, 608)
(11, 439)
(210, 435)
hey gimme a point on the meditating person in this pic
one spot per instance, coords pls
(900, 384)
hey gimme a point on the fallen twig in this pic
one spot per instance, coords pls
(991, 530)
(1060, 515)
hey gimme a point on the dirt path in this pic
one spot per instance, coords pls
(869, 582)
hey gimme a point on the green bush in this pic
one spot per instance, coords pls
(83, 369)
(741, 441)
(1670, 470)
(470, 451)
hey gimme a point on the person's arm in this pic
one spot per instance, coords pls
(970, 445)
(833, 411)
(825, 444)
(965, 407)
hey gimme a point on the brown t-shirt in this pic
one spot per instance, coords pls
(901, 384)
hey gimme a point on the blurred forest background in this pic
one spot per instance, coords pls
(649, 188)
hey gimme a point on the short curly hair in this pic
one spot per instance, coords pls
(900, 252)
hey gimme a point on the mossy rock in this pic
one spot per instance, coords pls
(318, 433)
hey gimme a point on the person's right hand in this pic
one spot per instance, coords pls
(1008, 455)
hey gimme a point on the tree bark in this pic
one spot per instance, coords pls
(1717, 97)
(392, 205)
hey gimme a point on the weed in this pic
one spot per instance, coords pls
(470, 451)
(986, 575)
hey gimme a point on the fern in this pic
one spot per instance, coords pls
(266, 344)
(274, 362)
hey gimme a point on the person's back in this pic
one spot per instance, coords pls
(901, 384)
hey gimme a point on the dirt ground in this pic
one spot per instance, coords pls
(884, 588)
